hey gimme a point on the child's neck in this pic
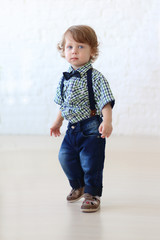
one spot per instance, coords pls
(75, 68)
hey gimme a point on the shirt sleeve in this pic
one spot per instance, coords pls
(102, 92)
(58, 98)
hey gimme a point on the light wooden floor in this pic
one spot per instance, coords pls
(33, 190)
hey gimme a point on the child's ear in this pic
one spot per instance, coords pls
(92, 55)
(92, 52)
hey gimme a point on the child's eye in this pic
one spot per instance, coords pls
(80, 46)
(69, 47)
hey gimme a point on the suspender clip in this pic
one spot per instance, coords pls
(93, 113)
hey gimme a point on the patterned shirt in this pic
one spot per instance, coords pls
(75, 103)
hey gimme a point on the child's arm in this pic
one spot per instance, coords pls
(55, 129)
(105, 127)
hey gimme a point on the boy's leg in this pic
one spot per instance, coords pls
(92, 155)
(70, 162)
(92, 161)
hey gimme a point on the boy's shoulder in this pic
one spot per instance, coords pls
(96, 73)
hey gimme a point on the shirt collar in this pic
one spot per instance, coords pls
(82, 70)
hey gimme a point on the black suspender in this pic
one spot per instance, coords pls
(62, 86)
(90, 92)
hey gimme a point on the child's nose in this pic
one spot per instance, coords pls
(74, 50)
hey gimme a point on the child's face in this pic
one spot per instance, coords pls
(77, 54)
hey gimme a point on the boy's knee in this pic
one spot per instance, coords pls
(62, 157)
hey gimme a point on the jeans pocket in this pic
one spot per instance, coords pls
(91, 129)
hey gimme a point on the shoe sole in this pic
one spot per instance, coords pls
(90, 210)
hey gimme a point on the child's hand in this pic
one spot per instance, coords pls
(105, 129)
(55, 129)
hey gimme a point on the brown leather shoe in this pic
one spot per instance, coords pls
(91, 203)
(75, 195)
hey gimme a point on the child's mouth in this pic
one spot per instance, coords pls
(74, 58)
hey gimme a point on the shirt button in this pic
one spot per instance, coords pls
(73, 127)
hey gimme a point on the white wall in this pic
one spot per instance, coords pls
(30, 66)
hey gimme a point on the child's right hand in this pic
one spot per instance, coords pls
(55, 129)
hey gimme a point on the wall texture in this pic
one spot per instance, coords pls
(30, 66)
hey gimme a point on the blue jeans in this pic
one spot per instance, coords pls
(82, 155)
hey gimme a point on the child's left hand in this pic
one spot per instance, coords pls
(105, 129)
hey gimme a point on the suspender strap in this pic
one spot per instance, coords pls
(90, 92)
(62, 86)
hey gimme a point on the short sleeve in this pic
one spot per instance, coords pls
(102, 92)
(58, 98)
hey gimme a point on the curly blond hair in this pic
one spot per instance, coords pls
(81, 34)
